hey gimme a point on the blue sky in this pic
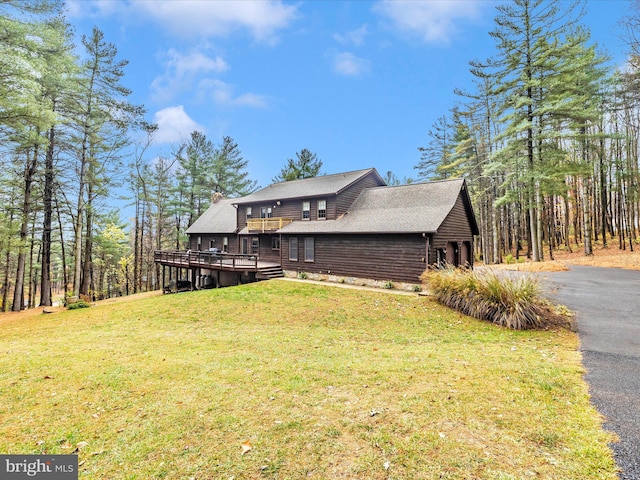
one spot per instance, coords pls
(360, 83)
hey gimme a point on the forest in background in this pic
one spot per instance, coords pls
(547, 141)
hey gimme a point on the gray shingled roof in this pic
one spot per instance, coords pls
(220, 217)
(414, 208)
(308, 187)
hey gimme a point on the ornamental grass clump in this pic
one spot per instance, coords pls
(507, 300)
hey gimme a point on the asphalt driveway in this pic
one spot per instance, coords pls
(607, 306)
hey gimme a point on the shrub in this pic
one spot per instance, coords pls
(512, 301)
(80, 304)
(302, 275)
(388, 284)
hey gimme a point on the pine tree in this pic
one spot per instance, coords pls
(438, 152)
(229, 174)
(104, 117)
(57, 86)
(534, 49)
(306, 165)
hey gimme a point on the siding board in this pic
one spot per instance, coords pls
(398, 258)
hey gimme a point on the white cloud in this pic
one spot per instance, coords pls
(174, 125)
(196, 18)
(194, 62)
(434, 21)
(188, 18)
(353, 37)
(348, 64)
(182, 71)
(223, 94)
(92, 9)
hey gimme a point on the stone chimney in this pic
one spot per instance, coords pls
(216, 197)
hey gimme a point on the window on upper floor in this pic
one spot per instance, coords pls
(322, 209)
(306, 210)
(265, 212)
(249, 212)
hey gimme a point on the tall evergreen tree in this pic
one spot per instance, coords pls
(438, 152)
(57, 90)
(104, 117)
(533, 49)
(229, 174)
(306, 165)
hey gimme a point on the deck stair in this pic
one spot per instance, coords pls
(269, 272)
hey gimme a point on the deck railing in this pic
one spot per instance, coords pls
(267, 224)
(214, 260)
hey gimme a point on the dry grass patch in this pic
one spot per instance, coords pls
(611, 256)
(322, 382)
(529, 266)
(512, 301)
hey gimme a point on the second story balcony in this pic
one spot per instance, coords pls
(267, 224)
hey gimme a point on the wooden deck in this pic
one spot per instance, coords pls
(212, 261)
(208, 260)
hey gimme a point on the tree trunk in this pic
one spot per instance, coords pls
(87, 264)
(47, 200)
(65, 274)
(29, 173)
(586, 217)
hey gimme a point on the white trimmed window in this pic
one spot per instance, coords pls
(293, 249)
(322, 209)
(309, 249)
(306, 210)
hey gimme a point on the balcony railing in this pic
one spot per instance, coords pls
(217, 261)
(267, 224)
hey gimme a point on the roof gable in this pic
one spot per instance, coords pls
(220, 217)
(413, 208)
(308, 187)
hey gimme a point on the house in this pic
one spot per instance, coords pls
(348, 224)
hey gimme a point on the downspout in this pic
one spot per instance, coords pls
(428, 248)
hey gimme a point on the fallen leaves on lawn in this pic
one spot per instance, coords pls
(246, 446)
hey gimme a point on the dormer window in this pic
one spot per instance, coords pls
(322, 209)
(306, 210)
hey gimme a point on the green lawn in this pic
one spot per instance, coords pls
(316, 381)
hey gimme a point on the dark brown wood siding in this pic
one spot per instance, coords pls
(454, 228)
(205, 241)
(291, 208)
(454, 238)
(349, 194)
(241, 216)
(399, 258)
(267, 253)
